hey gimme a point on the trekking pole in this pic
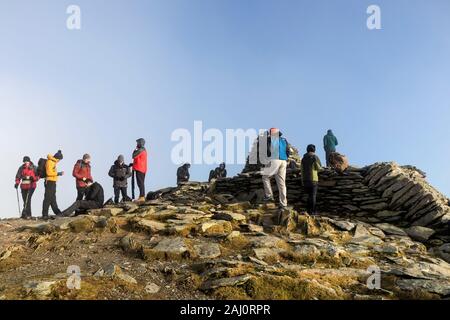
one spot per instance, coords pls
(18, 201)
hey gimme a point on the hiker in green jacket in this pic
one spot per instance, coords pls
(329, 144)
(310, 176)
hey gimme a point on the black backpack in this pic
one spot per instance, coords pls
(41, 170)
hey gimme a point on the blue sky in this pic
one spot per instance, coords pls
(145, 68)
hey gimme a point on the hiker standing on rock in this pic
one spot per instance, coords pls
(183, 174)
(277, 156)
(140, 167)
(82, 173)
(94, 198)
(26, 177)
(310, 176)
(120, 173)
(217, 173)
(329, 144)
(51, 177)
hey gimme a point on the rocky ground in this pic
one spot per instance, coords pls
(189, 243)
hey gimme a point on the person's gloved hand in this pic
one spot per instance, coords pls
(131, 165)
(61, 173)
(27, 178)
(16, 185)
(84, 179)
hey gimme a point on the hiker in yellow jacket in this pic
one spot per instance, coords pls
(52, 175)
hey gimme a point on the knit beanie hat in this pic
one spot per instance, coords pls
(59, 155)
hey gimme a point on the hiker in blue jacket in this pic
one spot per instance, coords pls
(329, 144)
(277, 155)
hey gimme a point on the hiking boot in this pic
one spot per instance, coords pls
(45, 218)
(268, 198)
(140, 200)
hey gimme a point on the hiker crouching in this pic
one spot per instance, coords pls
(217, 173)
(183, 174)
(93, 199)
(26, 177)
(120, 173)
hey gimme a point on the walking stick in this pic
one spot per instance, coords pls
(18, 201)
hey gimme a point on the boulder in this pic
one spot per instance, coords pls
(266, 253)
(229, 216)
(152, 288)
(169, 248)
(225, 282)
(390, 229)
(420, 233)
(114, 271)
(338, 162)
(41, 289)
(207, 250)
(40, 228)
(82, 224)
(343, 225)
(106, 212)
(150, 226)
(434, 286)
(215, 228)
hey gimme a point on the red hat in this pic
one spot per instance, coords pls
(274, 130)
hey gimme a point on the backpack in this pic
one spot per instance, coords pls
(41, 170)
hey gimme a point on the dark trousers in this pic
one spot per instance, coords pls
(26, 197)
(81, 205)
(81, 191)
(311, 191)
(117, 191)
(140, 180)
(327, 156)
(50, 199)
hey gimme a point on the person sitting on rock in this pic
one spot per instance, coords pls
(93, 199)
(120, 173)
(183, 174)
(310, 176)
(219, 172)
(329, 144)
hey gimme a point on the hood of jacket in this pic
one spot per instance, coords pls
(52, 158)
(309, 157)
(140, 143)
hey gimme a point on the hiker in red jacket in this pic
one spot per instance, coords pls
(82, 174)
(26, 177)
(140, 167)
